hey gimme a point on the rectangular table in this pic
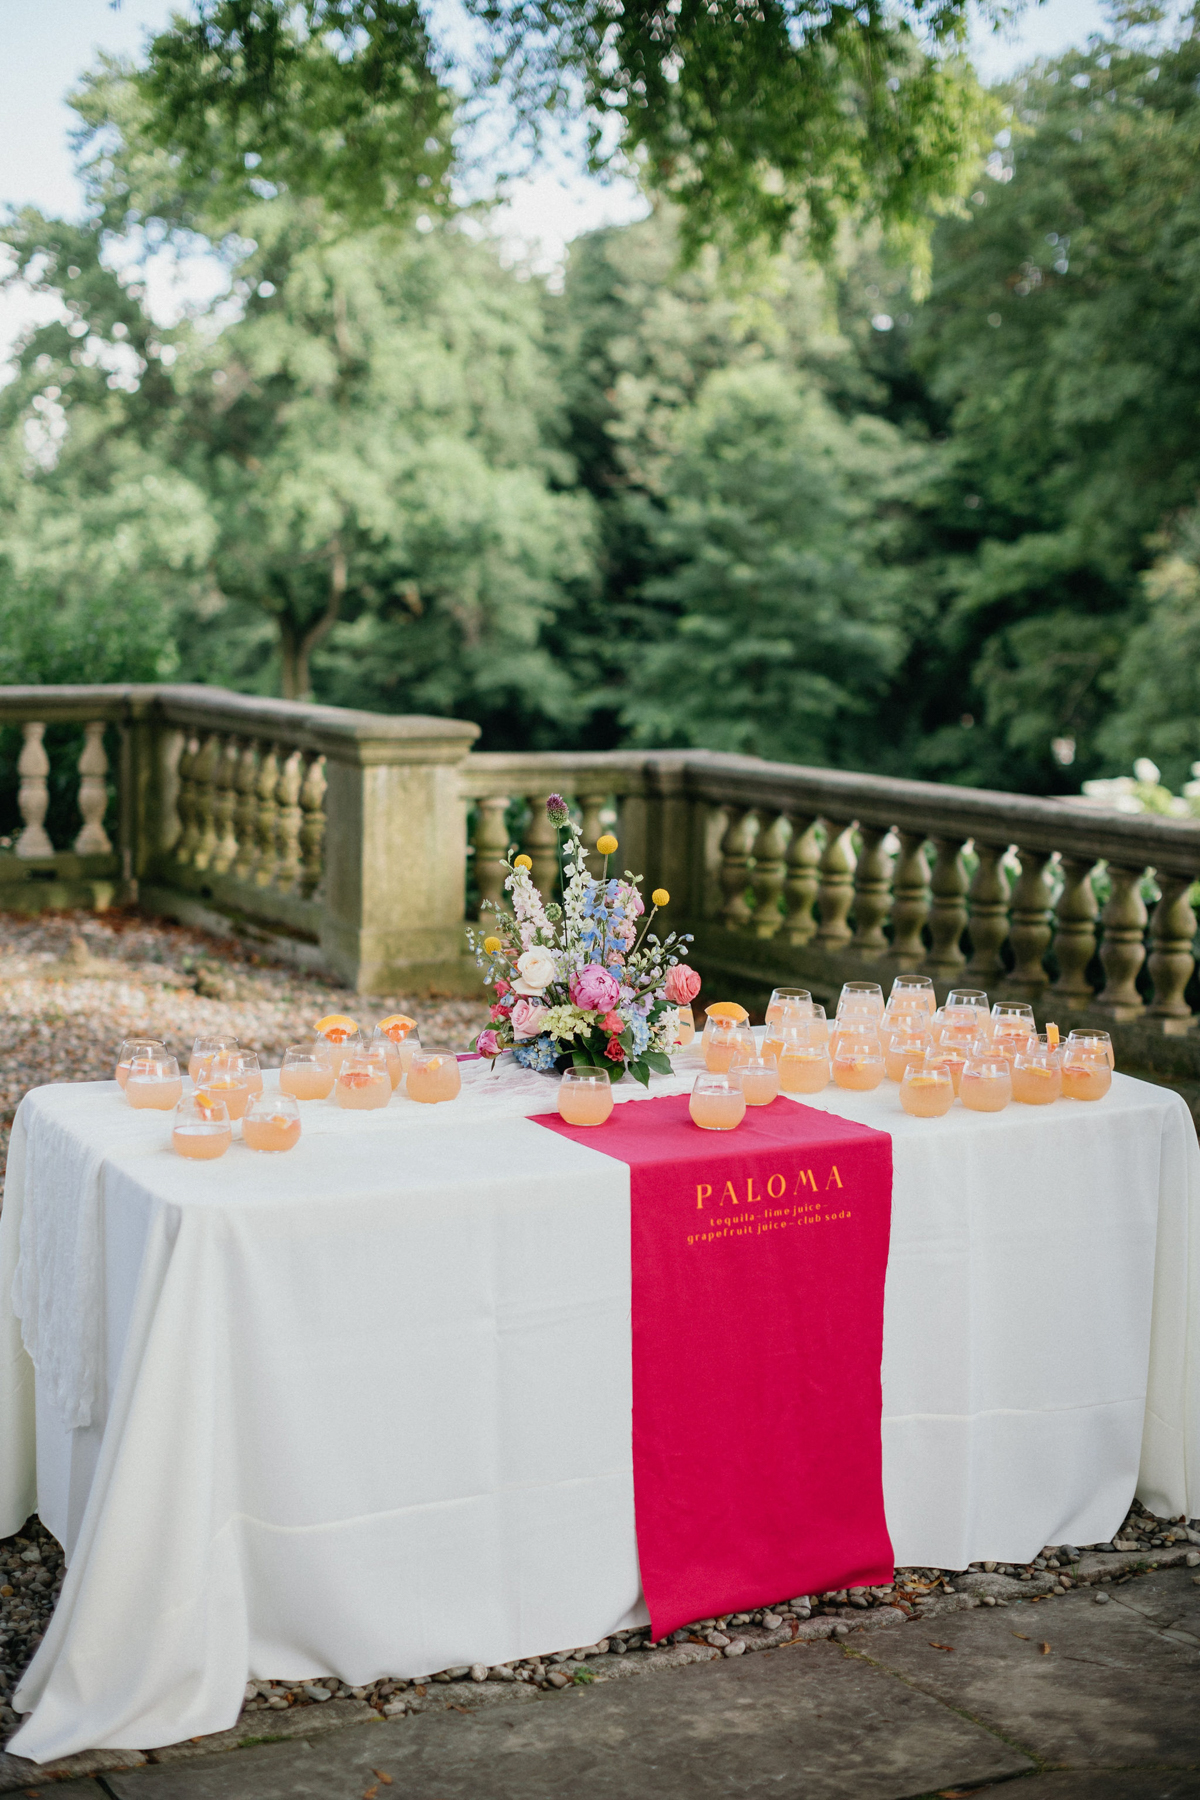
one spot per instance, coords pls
(364, 1409)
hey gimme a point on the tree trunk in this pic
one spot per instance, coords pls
(296, 647)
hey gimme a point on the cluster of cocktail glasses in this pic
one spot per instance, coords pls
(983, 1056)
(338, 1062)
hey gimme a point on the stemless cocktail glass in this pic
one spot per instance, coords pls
(759, 1076)
(585, 1096)
(363, 1082)
(201, 1128)
(717, 1102)
(722, 1038)
(858, 1061)
(797, 1000)
(342, 1041)
(433, 1075)
(390, 1045)
(685, 1027)
(926, 1090)
(1012, 1021)
(409, 1048)
(802, 1014)
(307, 1072)
(248, 1064)
(271, 1122)
(222, 1077)
(986, 1083)
(205, 1047)
(1036, 1073)
(1085, 1071)
(153, 1081)
(951, 1055)
(906, 1049)
(1089, 1039)
(966, 1006)
(912, 994)
(132, 1047)
(803, 1057)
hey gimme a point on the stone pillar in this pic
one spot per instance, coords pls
(395, 851)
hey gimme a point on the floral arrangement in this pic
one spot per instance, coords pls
(583, 982)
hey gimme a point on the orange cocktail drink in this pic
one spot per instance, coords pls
(585, 1096)
(1085, 1076)
(685, 1026)
(307, 1072)
(201, 1129)
(203, 1048)
(433, 1076)
(341, 1036)
(272, 1123)
(1090, 1041)
(136, 1047)
(798, 1001)
(926, 1092)
(803, 1068)
(858, 1062)
(759, 1076)
(716, 1103)
(723, 1039)
(363, 1082)
(391, 1035)
(905, 1050)
(222, 1077)
(986, 1084)
(1036, 1074)
(153, 1081)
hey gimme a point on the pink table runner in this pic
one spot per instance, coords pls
(758, 1261)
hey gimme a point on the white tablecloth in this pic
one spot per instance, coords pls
(364, 1409)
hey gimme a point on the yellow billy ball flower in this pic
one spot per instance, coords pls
(607, 844)
(522, 862)
(491, 945)
(661, 897)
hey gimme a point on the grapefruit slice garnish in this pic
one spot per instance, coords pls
(336, 1027)
(356, 1077)
(727, 1009)
(397, 1026)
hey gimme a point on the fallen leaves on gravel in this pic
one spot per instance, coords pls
(936, 1646)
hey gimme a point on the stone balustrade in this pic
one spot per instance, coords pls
(359, 842)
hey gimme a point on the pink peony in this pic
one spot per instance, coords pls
(527, 1016)
(615, 1050)
(682, 985)
(612, 1022)
(594, 989)
(487, 1044)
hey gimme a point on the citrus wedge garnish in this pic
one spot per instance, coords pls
(727, 1009)
(336, 1027)
(397, 1026)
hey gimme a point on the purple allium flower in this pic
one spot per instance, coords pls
(557, 811)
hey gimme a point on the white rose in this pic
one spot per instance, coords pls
(536, 969)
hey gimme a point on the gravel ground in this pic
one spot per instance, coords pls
(73, 985)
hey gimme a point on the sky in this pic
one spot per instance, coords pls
(44, 48)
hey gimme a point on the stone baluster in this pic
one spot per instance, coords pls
(266, 812)
(801, 882)
(491, 846)
(736, 846)
(1075, 933)
(872, 894)
(770, 875)
(541, 846)
(312, 826)
(204, 777)
(1172, 934)
(1031, 931)
(591, 805)
(185, 805)
(33, 797)
(910, 901)
(1124, 948)
(987, 915)
(225, 808)
(948, 912)
(835, 891)
(288, 821)
(245, 812)
(93, 840)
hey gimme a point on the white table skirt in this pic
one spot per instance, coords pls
(364, 1409)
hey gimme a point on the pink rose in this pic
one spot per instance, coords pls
(614, 1050)
(498, 1012)
(624, 930)
(501, 987)
(527, 1016)
(682, 985)
(487, 1044)
(594, 989)
(612, 1022)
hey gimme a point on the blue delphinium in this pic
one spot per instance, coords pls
(541, 1054)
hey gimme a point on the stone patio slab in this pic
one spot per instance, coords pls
(808, 1721)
